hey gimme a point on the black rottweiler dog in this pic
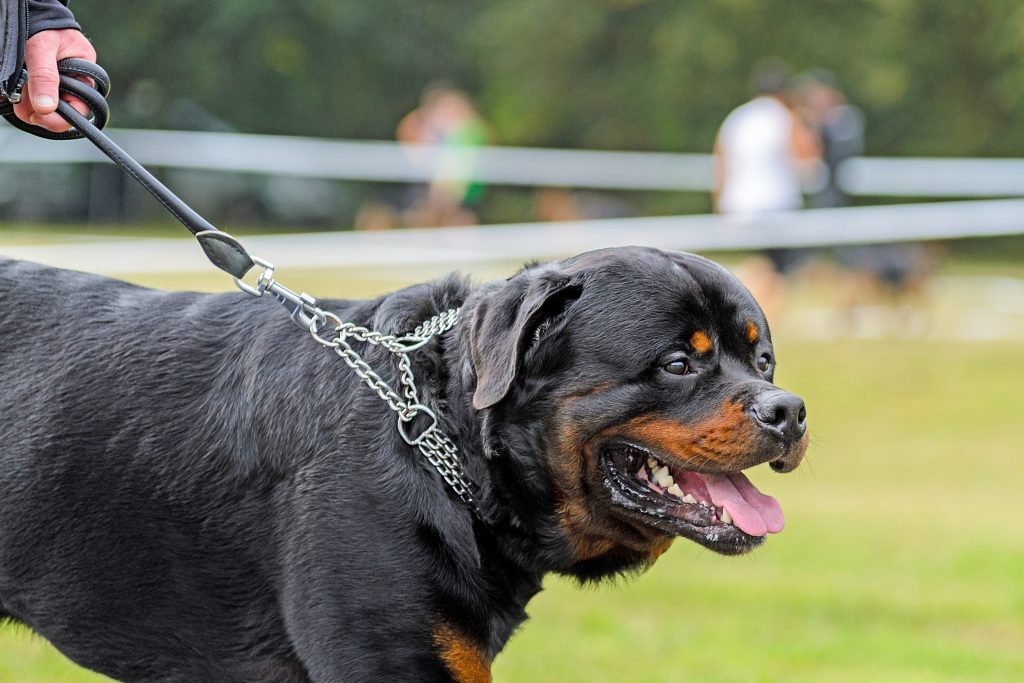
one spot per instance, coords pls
(192, 490)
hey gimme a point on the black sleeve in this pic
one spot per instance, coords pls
(49, 14)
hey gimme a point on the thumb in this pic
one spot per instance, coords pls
(41, 62)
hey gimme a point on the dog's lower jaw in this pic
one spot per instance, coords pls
(600, 545)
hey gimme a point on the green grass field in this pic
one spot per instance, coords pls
(902, 560)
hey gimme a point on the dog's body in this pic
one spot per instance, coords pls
(193, 490)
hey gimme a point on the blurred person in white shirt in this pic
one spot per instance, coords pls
(764, 150)
(763, 153)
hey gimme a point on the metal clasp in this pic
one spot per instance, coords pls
(264, 281)
(416, 409)
(303, 309)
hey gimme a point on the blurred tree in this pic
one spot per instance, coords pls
(313, 67)
(934, 77)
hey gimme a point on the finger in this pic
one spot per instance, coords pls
(76, 103)
(74, 44)
(44, 81)
(52, 122)
(87, 80)
(82, 108)
(23, 110)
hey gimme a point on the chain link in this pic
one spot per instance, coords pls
(439, 450)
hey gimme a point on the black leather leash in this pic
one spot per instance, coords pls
(223, 250)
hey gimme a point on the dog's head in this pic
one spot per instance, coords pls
(627, 389)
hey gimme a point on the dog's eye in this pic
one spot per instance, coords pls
(680, 366)
(764, 362)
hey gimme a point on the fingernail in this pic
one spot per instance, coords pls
(44, 101)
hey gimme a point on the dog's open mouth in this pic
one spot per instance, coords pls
(724, 512)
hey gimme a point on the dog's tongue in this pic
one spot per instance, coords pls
(752, 511)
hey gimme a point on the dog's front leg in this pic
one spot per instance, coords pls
(357, 599)
(342, 632)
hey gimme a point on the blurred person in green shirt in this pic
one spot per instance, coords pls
(445, 134)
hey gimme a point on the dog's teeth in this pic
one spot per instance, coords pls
(726, 517)
(662, 477)
(675, 491)
(688, 498)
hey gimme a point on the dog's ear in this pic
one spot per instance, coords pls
(507, 321)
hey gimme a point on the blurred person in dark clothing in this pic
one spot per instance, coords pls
(53, 35)
(892, 273)
(839, 126)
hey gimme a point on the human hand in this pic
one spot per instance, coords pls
(39, 101)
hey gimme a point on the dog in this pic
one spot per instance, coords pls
(191, 490)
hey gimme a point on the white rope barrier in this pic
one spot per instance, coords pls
(453, 247)
(531, 167)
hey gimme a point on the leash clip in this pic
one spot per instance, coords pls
(302, 307)
(263, 282)
(304, 311)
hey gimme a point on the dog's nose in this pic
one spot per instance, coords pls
(781, 413)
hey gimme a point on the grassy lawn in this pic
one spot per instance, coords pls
(903, 557)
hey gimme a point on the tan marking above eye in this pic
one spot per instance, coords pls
(752, 333)
(701, 342)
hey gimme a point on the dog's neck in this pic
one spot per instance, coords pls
(518, 539)
(494, 591)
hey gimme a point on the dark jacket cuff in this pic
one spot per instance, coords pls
(45, 15)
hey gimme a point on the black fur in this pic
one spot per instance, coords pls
(191, 489)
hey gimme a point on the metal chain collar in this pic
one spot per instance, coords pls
(439, 450)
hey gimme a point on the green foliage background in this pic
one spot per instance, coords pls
(933, 77)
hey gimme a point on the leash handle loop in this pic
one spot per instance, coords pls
(224, 251)
(71, 71)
